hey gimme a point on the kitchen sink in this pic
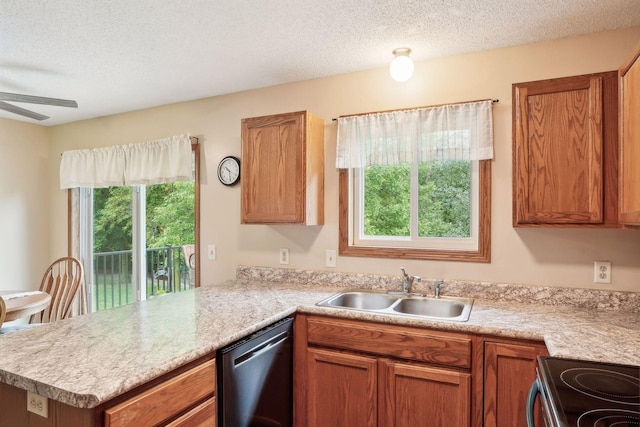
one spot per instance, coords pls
(362, 300)
(409, 305)
(431, 307)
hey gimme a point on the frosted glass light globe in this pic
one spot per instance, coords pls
(401, 68)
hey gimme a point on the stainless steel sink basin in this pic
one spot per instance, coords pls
(443, 308)
(430, 307)
(361, 300)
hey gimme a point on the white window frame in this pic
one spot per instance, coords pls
(357, 237)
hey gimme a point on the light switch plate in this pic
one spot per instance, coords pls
(330, 258)
(284, 256)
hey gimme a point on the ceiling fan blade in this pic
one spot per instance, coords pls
(21, 111)
(16, 97)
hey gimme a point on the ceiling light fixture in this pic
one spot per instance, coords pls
(401, 68)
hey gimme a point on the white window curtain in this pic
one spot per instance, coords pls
(446, 132)
(155, 162)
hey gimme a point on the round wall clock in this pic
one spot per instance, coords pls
(229, 170)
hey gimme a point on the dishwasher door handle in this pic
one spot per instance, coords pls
(261, 348)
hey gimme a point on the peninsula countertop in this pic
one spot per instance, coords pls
(87, 360)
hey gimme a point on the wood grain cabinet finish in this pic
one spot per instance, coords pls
(565, 152)
(509, 371)
(343, 389)
(169, 400)
(282, 177)
(370, 374)
(418, 395)
(630, 140)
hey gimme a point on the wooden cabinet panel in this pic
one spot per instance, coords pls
(565, 151)
(422, 345)
(630, 140)
(424, 396)
(203, 415)
(509, 371)
(13, 411)
(283, 169)
(166, 400)
(342, 389)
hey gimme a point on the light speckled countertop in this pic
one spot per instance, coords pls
(90, 359)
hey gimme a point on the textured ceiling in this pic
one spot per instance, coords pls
(115, 56)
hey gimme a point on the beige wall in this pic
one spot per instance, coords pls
(24, 189)
(528, 256)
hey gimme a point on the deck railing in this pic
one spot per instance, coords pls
(166, 271)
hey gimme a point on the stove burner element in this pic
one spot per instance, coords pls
(609, 417)
(603, 384)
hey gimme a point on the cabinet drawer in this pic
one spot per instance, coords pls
(440, 348)
(165, 400)
(203, 415)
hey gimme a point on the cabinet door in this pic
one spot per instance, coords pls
(509, 371)
(272, 169)
(559, 150)
(342, 389)
(630, 140)
(416, 396)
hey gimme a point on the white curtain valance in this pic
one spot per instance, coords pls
(446, 132)
(154, 162)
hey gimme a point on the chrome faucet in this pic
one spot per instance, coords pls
(436, 288)
(407, 281)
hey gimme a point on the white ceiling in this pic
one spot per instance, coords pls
(115, 56)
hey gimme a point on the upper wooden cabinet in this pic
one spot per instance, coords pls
(565, 152)
(283, 169)
(630, 140)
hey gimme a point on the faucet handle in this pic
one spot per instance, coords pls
(417, 279)
(436, 288)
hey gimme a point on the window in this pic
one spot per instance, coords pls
(428, 199)
(137, 240)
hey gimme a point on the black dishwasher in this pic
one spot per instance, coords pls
(255, 381)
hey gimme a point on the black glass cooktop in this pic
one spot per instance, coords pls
(591, 394)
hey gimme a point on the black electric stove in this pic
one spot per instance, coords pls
(589, 394)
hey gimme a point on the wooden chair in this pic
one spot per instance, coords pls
(3, 311)
(64, 281)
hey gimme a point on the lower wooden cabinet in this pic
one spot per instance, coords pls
(367, 374)
(359, 373)
(343, 389)
(174, 397)
(509, 371)
(358, 390)
(419, 395)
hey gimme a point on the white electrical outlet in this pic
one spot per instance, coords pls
(211, 251)
(602, 272)
(330, 258)
(284, 256)
(37, 404)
